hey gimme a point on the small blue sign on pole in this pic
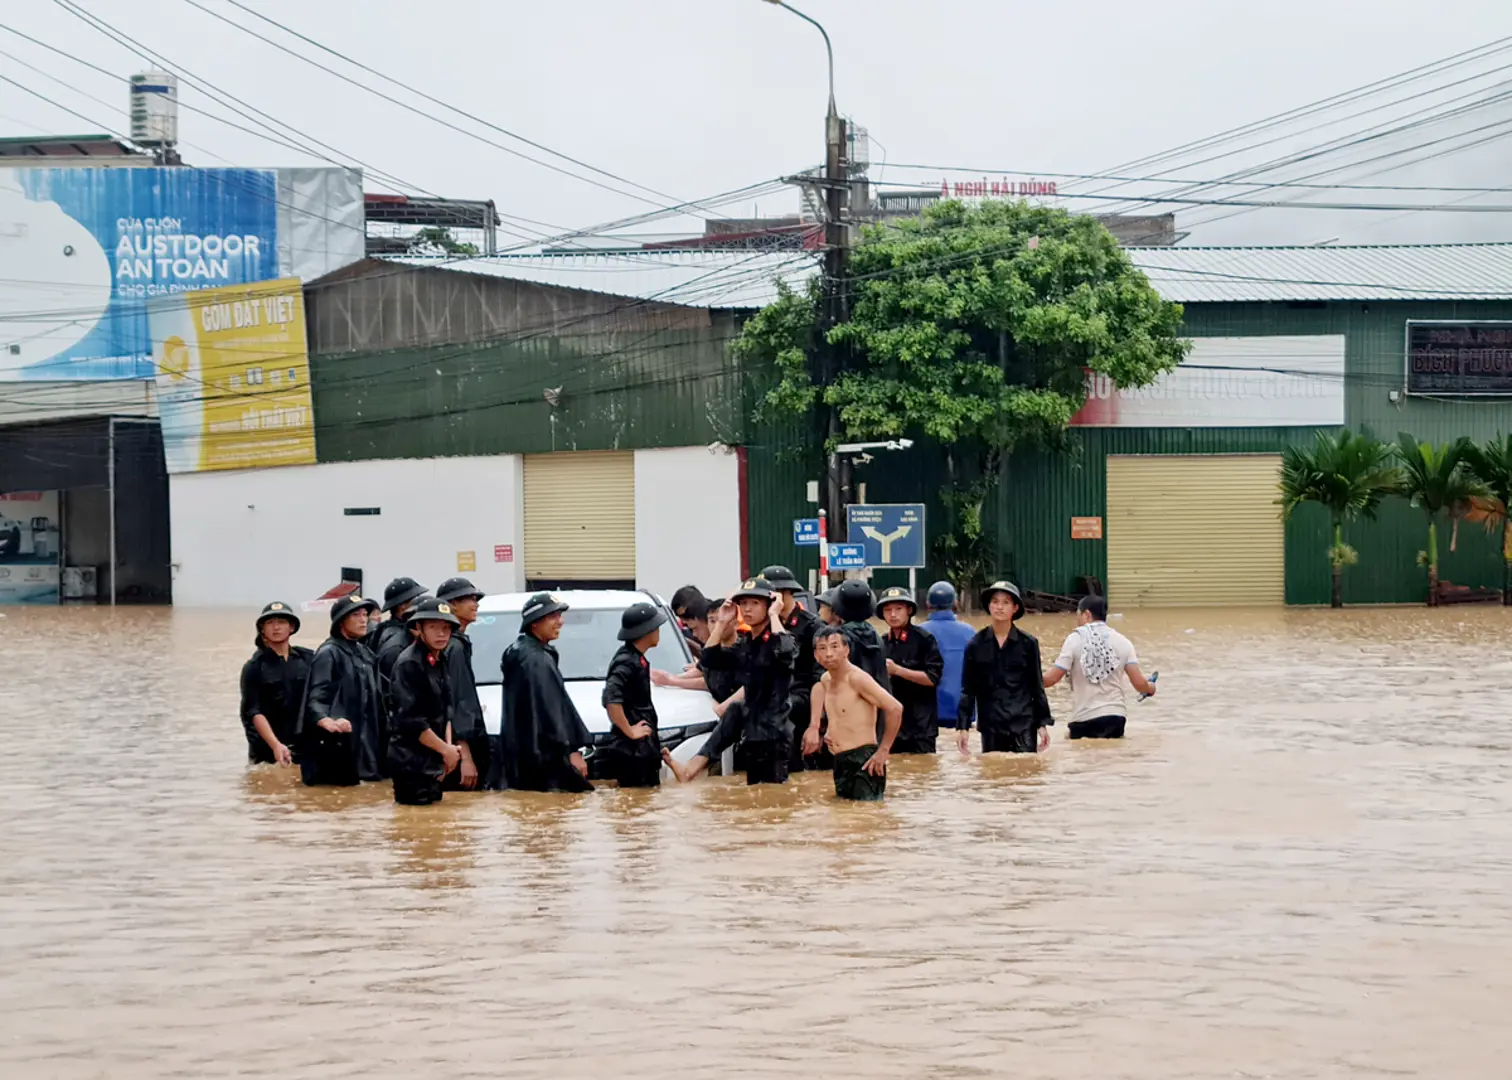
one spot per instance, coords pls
(806, 532)
(847, 556)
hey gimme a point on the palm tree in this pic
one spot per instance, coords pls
(1348, 475)
(1492, 465)
(1438, 481)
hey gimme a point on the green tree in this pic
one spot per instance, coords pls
(1346, 474)
(1438, 481)
(436, 240)
(1492, 466)
(973, 328)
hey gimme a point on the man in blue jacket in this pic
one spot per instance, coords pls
(953, 636)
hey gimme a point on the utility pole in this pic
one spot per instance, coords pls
(827, 366)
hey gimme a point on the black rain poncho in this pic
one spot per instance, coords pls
(541, 727)
(343, 684)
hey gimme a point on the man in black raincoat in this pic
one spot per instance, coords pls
(398, 599)
(803, 625)
(762, 651)
(343, 723)
(272, 683)
(1003, 682)
(634, 750)
(420, 751)
(543, 736)
(915, 665)
(468, 731)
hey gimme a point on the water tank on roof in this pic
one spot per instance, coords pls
(154, 109)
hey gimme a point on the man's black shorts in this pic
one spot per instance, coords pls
(1104, 727)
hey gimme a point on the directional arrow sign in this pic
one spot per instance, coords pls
(892, 533)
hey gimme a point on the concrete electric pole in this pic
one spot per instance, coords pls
(836, 185)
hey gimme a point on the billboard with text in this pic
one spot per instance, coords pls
(83, 251)
(233, 377)
(1277, 381)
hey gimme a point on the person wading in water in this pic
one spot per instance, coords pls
(1100, 663)
(420, 751)
(914, 664)
(272, 683)
(1002, 682)
(343, 722)
(851, 699)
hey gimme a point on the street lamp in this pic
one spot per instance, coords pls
(836, 241)
(828, 48)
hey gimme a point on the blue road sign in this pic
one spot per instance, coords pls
(893, 534)
(847, 556)
(806, 532)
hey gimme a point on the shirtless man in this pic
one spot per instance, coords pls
(851, 698)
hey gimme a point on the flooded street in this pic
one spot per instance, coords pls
(1299, 864)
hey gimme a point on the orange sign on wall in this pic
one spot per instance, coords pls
(1086, 528)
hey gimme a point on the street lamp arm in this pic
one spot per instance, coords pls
(828, 48)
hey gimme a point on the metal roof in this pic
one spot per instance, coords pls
(747, 279)
(718, 279)
(1383, 272)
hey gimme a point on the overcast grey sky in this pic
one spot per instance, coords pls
(694, 97)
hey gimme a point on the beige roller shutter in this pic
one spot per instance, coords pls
(1194, 531)
(580, 516)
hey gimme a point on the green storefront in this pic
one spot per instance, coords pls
(1172, 502)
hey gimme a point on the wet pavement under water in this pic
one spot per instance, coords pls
(1298, 864)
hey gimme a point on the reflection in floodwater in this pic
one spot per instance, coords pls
(1299, 864)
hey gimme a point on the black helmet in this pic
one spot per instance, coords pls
(826, 599)
(897, 594)
(457, 588)
(348, 604)
(432, 610)
(942, 596)
(539, 606)
(639, 620)
(853, 600)
(758, 588)
(781, 579)
(1007, 587)
(278, 610)
(401, 591)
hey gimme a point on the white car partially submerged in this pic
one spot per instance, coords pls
(589, 640)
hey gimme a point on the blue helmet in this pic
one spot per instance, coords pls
(942, 596)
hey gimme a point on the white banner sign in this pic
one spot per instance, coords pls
(1292, 381)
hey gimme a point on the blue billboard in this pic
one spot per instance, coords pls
(82, 250)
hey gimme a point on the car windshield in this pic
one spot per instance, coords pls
(588, 642)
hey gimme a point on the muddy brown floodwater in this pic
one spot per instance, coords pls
(1299, 864)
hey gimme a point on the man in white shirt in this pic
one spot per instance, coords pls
(1101, 665)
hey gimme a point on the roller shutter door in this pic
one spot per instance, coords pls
(1195, 531)
(580, 516)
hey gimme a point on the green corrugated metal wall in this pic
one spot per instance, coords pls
(619, 391)
(1042, 493)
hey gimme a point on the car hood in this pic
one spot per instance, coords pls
(674, 707)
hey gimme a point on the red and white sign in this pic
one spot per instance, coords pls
(1281, 381)
(503, 553)
(1086, 528)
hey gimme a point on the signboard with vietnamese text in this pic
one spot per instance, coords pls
(892, 534)
(233, 377)
(1086, 528)
(503, 553)
(1459, 358)
(467, 561)
(1272, 381)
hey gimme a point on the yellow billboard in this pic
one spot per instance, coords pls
(233, 377)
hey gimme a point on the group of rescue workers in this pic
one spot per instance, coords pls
(793, 690)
